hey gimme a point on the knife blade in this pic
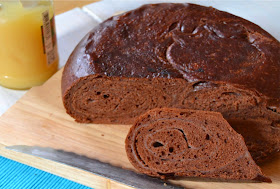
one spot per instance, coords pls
(94, 166)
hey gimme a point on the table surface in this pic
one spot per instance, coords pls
(62, 6)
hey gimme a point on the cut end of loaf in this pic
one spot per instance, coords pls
(120, 100)
(102, 99)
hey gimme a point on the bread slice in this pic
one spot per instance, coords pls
(172, 142)
(248, 113)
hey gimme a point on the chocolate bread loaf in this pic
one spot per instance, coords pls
(179, 142)
(178, 41)
(157, 56)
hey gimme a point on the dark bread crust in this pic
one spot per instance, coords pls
(150, 57)
(171, 142)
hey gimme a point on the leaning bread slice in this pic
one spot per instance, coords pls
(172, 142)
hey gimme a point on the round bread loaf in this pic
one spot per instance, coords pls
(179, 142)
(178, 41)
(161, 55)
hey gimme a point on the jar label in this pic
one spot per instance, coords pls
(48, 37)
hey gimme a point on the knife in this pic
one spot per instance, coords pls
(94, 166)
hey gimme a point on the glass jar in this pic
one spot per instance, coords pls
(28, 45)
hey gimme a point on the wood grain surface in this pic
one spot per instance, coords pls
(61, 6)
(39, 118)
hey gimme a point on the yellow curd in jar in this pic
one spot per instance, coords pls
(28, 49)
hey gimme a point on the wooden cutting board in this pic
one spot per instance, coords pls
(39, 118)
